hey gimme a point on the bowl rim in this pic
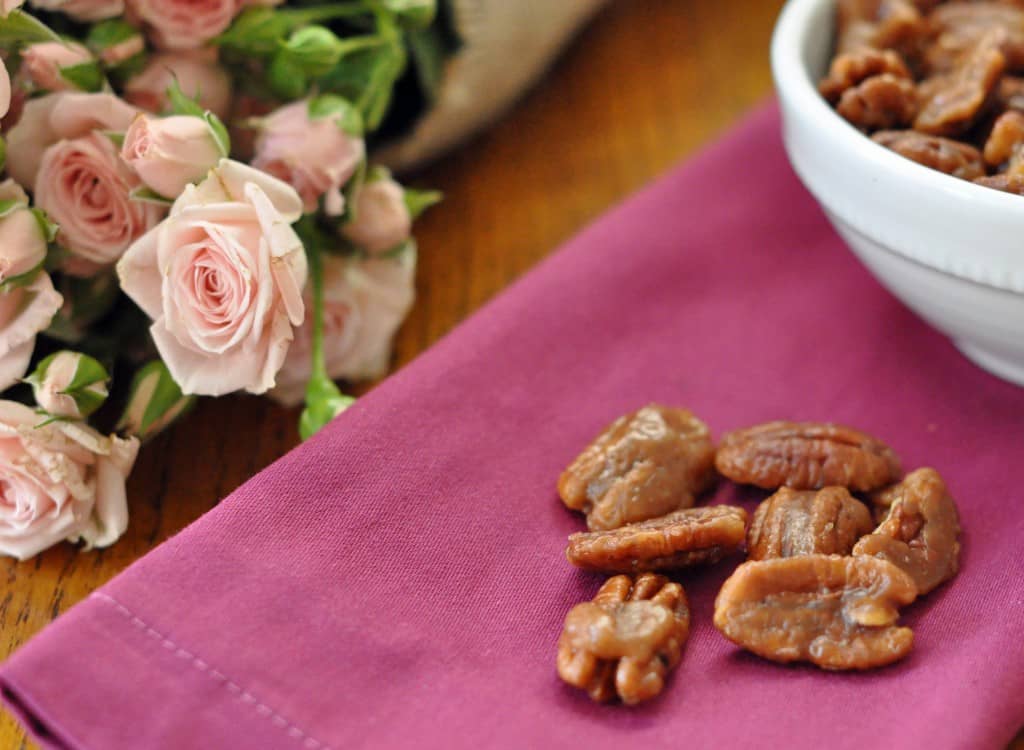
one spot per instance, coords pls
(794, 79)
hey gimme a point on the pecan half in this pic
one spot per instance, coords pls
(1006, 137)
(882, 101)
(1008, 183)
(881, 24)
(806, 456)
(626, 640)
(644, 465)
(687, 537)
(952, 157)
(794, 522)
(852, 68)
(921, 531)
(954, 108)
(835, 612)
(957, 28)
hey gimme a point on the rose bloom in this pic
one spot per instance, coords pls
(55, 117)
(382, 220)
(222, 279)
(84, 186)
(171, 152)
(198, 75)
(365, 302)
(83, 10)
(59, 481)
(43, 61)
(24, 312)
(315, 156)
(184, 24)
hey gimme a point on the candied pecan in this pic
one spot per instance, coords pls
(920, 533)
(806, 456)
(1006, 137)
(954, 108)
(850, 69)
(626, 640)
(883, 101)
(807, 522)
(644, 465)
(881, 24)
(687, 537)
(952, 157)
(957, 28)
(835, 612)
(1010, 93)
(1008, 183)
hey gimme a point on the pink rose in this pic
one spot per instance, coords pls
(54, 117)
(5, 90)
(170, 153)
(382, 221)
(183, 24)
(197, 76)
(61, 481)
(222, 279)
(365, 302)
(126, 49)
(24, 312)
(6, 6)
(84, 186)
(42, 63)
(83, 10)
(22, 241)
(315, 156)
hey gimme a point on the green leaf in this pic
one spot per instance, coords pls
(155, 401)
(331, 105)
(220, 133)
(286, 79)
(413, 13)
(181, 103)
(48, 228)
(18, 27)
(144, 194)
(87, 76)
(10, 206)
(109, 33)
(418, 201)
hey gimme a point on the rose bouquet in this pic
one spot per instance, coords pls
(188, 210)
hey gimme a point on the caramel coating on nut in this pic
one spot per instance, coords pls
(835, 612)
(952, 157)
(953, 108)
(957, 28)
(806, 456)
(1006, 137)
(693, 536)
(880, 24)
(807, 522)
(882, 101)
(625, 641)
(850, 69)
(1007, 183)
(644, 465)
(921, 531)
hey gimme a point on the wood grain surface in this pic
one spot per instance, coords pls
(647, 83)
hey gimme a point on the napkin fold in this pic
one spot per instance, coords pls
(400, 580)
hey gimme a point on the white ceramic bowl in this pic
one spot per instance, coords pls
(951, 250)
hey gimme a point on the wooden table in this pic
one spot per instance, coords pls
(646, 84)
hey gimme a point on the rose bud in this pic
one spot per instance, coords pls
(23, 235)
(83, 10)
(5, 90)
(381, 219)
(69, 384)
(44, 62)
(172, 152)
(197, 75)
(315, 146)
(155, 401)
(25, 311)
(59, 481)
(6, 6)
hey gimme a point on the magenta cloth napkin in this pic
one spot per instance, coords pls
(400, 580)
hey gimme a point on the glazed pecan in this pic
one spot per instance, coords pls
(835, 612)
(1006, 137)
(883, 101)
(850, 69)
(1008, 183)
(952, 109)
(880, 24)
(807, 522)
(958, 28)
(920, 533)
(644, 465)
(1010, 93)
(952, 157)
(626, 640)
(806, 456)
(687, 537)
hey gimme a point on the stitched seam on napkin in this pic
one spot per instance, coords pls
(246, 697)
